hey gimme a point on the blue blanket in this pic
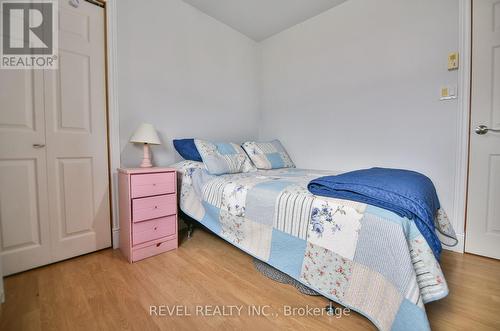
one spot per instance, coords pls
(406, 193)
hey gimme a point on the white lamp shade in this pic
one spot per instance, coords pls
(145, 134)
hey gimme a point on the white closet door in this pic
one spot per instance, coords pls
(75, 117)
(54, 184)
(24, 221)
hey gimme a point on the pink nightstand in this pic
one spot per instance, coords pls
(148, 211)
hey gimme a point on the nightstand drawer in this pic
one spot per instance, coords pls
(155, 229)
(152, 184)
(153, 207)
(156, 248)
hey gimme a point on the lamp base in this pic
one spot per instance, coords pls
(146, 161)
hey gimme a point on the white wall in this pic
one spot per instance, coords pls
(358, 86)
(185, 72)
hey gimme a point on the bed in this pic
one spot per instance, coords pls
(363, 257)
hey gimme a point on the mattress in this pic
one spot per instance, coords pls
(363, 257)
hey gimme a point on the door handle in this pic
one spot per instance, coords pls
(483, 129)
(38, 145)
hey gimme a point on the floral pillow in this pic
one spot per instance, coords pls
(268, 155)
(223, 158)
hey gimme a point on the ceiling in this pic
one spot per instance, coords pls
(260, 19)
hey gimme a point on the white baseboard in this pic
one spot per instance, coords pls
(460, 247)
(116, 238)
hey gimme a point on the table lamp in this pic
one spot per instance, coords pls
(146, 134)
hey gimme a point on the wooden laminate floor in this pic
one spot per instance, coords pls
(101, 291)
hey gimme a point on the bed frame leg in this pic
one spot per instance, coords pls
(190, 230)
(330, 309)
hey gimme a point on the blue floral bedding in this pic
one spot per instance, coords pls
(363, 257)
(407, 193)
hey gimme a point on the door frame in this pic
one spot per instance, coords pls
(112, 113)
(463, 128)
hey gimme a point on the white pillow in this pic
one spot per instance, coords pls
(268, 155)
(223, 158)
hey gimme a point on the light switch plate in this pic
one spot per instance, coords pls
(453, 61)
(444, 92)
(448, 93)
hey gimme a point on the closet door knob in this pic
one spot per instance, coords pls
(38, 145)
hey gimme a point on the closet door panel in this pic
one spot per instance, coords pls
(77, 155)
(24, 221)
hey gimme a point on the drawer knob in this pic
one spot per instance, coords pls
(158, 245)
(154, 184)
(156, 207)
(155, 228)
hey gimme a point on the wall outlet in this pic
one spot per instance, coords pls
(453, 61)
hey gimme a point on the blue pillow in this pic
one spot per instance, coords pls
(187, 149)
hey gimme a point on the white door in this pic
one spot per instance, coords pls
(483, 211)
(24, 216)
(76, 131)
(54, 184)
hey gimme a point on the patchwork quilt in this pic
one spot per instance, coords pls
(363, 257)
